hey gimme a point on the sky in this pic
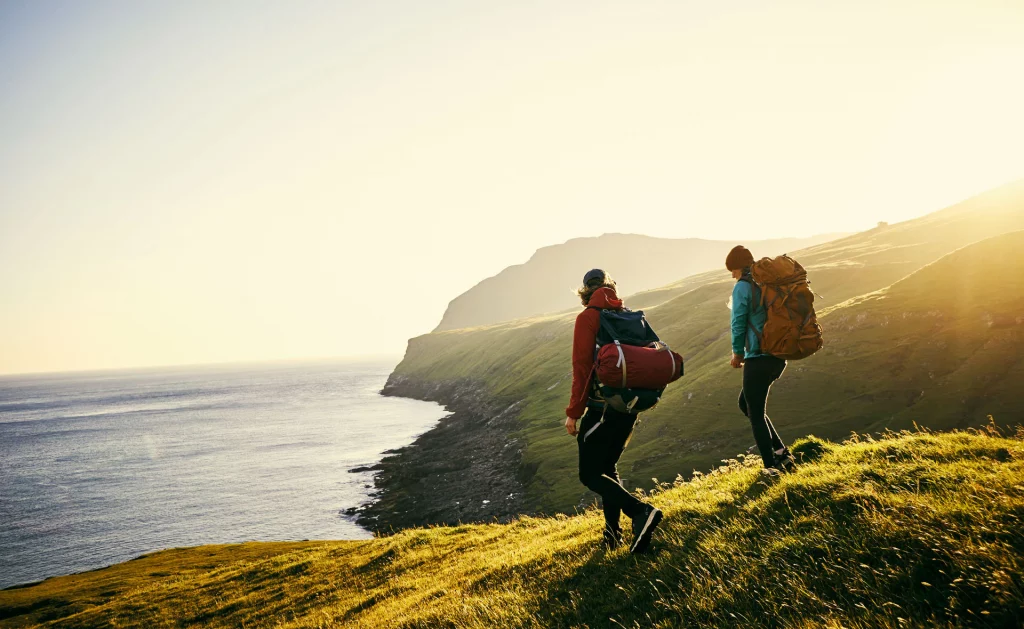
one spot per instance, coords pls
(192, 182)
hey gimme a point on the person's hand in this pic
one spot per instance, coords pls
(570, 426)
(737, 361)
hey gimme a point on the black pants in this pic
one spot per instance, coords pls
(758, 375)
(601, 445)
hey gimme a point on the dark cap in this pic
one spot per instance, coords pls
(595, 276)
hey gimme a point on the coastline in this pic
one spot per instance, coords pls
(465, 469)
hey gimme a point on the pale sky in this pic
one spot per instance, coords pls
(190, 182)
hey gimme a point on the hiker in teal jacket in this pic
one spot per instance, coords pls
(748, 317)
(759, 370)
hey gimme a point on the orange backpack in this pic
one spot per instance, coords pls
(791, 331)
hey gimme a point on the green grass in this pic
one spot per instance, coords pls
(911, 529)
(905, 334)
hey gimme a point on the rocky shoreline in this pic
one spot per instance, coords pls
(465, 469)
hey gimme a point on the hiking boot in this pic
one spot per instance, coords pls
(611, 538)
(643, 527)
(770, 474)
(785, 462)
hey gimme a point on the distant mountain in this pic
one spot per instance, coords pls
(545, 283)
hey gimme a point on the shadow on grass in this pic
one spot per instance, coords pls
(807, 551)
(809, 449)
(630, 588)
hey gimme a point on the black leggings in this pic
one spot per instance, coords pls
(601, 445)
(758, 375)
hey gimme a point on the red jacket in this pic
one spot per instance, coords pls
(584, 341)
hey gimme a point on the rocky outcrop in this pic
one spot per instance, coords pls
(465, 469)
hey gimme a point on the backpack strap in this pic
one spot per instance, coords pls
(753, 286)
(753, 309)
(605, 327)
(600, 326)
(609, 330)
(594, 383)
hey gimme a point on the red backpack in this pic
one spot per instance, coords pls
(632, 365)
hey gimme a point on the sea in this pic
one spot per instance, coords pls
(98, 468)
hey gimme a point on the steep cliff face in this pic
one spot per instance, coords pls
(465, 469)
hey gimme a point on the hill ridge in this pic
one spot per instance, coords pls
(551, 273)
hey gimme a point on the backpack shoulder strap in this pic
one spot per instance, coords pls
(604, 326)
(756, 290)
(601, 327)
(594, 384)
(754, 304)
(609, 329)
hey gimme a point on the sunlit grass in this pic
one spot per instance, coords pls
(913, 529)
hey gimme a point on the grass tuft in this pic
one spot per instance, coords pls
(900, 529)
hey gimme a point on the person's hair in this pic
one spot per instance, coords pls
(586, 292)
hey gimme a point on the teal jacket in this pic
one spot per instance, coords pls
(747, 313)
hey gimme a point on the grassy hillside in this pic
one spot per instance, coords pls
(874, 259)
(940, 338)
(906, 530)
(549, 276)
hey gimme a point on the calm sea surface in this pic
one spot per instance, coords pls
(97, 468)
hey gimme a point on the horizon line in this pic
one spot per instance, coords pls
(212, 364)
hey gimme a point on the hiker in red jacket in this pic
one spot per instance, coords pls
(602, 432)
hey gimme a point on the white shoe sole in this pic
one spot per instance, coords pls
(645, 530)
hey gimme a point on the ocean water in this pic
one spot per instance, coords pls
(97, 468)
